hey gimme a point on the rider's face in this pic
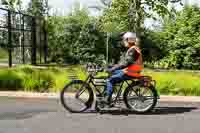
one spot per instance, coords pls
(125, 43)
(128, 43)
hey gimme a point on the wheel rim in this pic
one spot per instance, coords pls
(75, 98)
(140, 99)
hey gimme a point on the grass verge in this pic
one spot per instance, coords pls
(53, 79)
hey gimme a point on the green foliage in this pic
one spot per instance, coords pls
(81, 72)
(115, 19)
(36, 8)
(54, 79)
(180, 39)
(12, 4)
(3, 53)
(152, 46)
(130, 14)
(177, 83)
(75, 39)
(9, 79)
(44, 80)
(30, 84)
(28, 78)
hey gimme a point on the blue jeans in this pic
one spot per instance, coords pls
(117, 77)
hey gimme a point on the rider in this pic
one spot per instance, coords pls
(127, 69)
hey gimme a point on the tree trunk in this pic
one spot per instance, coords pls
(132, 16)
(135, 18)
(138, 21)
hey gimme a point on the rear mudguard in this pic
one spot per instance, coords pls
(153, 84)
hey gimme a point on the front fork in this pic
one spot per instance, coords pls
(81, 91)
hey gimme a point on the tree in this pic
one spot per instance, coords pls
(75, 38)
(12, 4)
(130, 14)
(180, 39)
(36, 8)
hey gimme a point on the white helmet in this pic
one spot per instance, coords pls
(129, 37)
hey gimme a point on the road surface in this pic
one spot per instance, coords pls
(20, 115)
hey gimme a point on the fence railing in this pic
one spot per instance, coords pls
(22, 36)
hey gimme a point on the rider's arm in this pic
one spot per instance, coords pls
(129, 59)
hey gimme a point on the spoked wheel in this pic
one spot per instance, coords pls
(140, 99)
(77, 96)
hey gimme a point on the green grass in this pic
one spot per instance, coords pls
(27, 78)
(53, 79)
(176, 83)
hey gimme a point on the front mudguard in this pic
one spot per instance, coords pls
(91, 93)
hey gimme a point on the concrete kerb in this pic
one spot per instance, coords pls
(57, 96)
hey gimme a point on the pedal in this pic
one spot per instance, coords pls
(111, 105)
(99, 106)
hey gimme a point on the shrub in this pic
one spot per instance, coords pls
(177, 83)
(9, 79)
(30, 84)
(54, 79)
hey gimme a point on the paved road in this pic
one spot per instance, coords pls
(47, 116)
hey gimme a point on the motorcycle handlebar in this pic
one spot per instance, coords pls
(94, 68)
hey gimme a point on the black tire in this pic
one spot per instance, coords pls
(68, 94)
(133, 88)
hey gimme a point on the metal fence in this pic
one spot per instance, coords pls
(23, 40)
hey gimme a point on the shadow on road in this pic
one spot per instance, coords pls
(156, 111)
(172, 110)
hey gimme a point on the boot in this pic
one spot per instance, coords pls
(108, 101)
